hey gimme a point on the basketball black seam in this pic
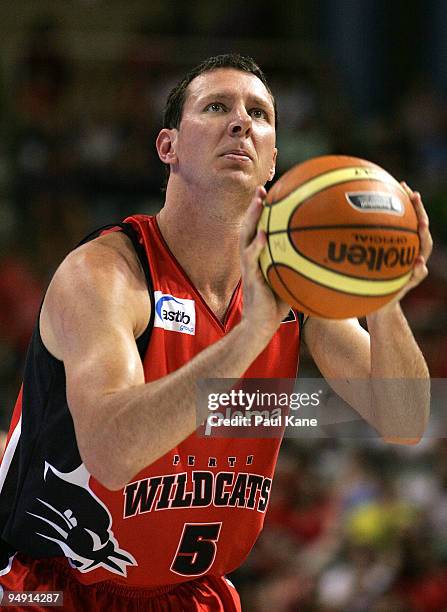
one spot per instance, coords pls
(268, 234)
(335, 185)
(355, 295)
(273, 264)
(378, 180)
(344, 226)
(319, 176)
(299, 301)
(320, 265)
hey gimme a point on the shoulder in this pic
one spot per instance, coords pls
(103, 266)
(103, 279)
(111, 253)
(108, 259)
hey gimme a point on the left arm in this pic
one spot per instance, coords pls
(344, 352)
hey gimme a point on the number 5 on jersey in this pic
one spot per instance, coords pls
(197, 549)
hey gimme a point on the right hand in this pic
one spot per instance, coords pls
(263, 309)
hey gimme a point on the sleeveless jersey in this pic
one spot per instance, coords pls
(197, 510)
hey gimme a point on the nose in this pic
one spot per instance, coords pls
(240, 124)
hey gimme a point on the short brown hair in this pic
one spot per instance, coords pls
(173, 111)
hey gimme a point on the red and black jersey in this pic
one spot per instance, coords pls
(197, 510)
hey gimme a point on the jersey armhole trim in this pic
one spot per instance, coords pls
(127, 228)
(144, 338)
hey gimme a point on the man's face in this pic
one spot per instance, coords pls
(226, 137)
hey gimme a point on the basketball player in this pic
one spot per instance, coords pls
(107, 492)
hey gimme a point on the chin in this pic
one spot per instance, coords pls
(238, 181)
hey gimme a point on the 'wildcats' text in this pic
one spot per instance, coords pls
(197, 489)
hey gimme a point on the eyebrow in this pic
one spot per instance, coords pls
(223, 95)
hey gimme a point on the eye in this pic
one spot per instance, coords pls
(215, 107)
(258, 113)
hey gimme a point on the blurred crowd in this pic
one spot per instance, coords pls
(351, 527)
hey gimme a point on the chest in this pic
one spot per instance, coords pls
(218, 305)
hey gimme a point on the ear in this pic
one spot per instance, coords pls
(273, 166)
(166, 146)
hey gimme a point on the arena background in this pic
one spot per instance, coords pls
(353, 525)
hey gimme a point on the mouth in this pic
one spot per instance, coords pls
(237, 154)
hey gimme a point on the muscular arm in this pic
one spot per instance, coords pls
(95, 307)
(382, 374)
(395, 398)
(395, 355)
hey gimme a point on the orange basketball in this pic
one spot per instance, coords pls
(342, 237)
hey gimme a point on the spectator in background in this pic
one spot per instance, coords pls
(43, 73)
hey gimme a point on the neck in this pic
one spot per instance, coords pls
(203, 232)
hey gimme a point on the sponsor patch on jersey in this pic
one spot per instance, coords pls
(175, 314)
(375, 202)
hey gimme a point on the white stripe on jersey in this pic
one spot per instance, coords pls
(9, 452)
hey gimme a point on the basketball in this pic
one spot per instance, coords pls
(341, 237)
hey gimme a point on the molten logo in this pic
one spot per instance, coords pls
(374, 258)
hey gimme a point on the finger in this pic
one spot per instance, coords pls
(426, 241)
(421, 213)
(420, 266)
(419, 272)
(418, 275)
(250, 256)
(408, 189)
(258, 243)
(252, 217)
(423, 226)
